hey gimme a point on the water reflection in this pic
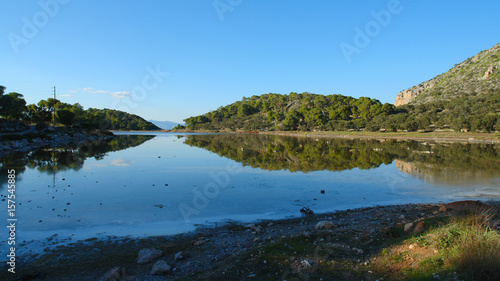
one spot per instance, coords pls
(431, 161)
(54, 160)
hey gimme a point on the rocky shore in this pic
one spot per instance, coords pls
(290, 249)
(59, 138)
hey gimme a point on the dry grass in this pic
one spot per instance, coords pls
(477, 252)
(467, 245)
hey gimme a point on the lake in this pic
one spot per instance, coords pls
(156, 184)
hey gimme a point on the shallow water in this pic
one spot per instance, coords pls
(167, 183)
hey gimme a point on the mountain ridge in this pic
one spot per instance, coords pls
(479, 74)
(165, 125)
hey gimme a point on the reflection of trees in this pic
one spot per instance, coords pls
(54, 160)
(11, 161)
(308, 154)
(300, 154)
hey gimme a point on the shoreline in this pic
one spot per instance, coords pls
(438, 136)
(220, 251)
(434, 136)
(25, 142)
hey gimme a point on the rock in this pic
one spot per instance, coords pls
(408, 226)
(147, 255)
(178, 256)
(420, 227)
(411, 247)
(324, 225)
(199, 242)
(160, 267)
(305, 263)
(257, 229)
(306, 211)
(359, 251)
(442, 208)
(111, 275)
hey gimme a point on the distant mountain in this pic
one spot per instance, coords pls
(165, 125)
(477, 75)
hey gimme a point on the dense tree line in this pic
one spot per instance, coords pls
(13, 107)
(340, 113)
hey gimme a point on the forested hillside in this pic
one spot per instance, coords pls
(293, 112)
(308, 112)
(466, 98)
(13, 108)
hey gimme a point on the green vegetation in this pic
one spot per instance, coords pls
(310, 112)
(467, 113)
(13, 108)
(12, 105)
(292, 112)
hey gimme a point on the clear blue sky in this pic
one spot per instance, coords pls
(98, 53)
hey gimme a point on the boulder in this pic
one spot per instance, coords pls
(147, 255)
(324, 225)
(408, 226)
(420, 227)
(160, 267)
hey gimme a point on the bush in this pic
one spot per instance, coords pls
(40, 126)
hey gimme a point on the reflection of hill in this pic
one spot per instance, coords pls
(60, 159)
(434, 162)
(299, 154)
(453, 163)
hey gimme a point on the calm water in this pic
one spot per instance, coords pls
(163, 184)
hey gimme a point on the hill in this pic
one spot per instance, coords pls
(111, 119)
(165, 125)
(477, 75)
(13, 109)
(304, 111)
(466, 98)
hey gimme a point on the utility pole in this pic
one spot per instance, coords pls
(54, 110)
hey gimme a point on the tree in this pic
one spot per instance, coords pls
(411, 126)
(65, 117)
(45, 109)
(291, 121)
(488, 122)
(12, 106)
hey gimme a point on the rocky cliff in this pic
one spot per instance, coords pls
(479, 74)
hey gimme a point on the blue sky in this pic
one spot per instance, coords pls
(168, 60)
